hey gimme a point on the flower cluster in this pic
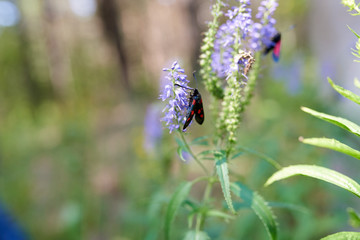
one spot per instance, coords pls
(241, 30)
(211, 81)
(263, 32)
(230, 34)
(175, 92)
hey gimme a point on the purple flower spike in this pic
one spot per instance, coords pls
(177, 98)
(152, 128)
(263, 32)
(233, 31)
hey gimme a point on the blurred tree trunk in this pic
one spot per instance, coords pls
(110, 16)
(193, 8)
(58, 65)
(32, 86)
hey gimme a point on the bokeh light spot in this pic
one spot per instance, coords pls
(83, 8)
(9, 14)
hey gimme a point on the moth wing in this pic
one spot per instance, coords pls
(199, 112)
(276, 52)
(190, 113)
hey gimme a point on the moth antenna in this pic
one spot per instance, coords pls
(183, 86)
(196, 84)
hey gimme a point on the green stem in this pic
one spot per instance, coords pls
(191, 153)
(200, 220)
(261, 155)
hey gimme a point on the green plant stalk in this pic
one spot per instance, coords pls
(200, 220)
(211, 81)
(191, 152)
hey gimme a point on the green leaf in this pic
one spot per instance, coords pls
(220, 214)
(346, 93)
(357, 83)
(194, 235)
(258, 205)
(321, 173)
(200, 141)
(206, 152)
(177, 199)
(354, 218)
(289, 206)
(332, 144)
(357, 35)
(261, 156)
(341, 122)
(181, 152)
(223, 174)
(180, 142)
(343, 236)
(238, 154)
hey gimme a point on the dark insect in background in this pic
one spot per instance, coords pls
(275, 46)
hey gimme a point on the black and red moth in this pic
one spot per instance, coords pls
(195, 108)
(275, 46)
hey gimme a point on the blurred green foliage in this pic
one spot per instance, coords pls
(74, 166)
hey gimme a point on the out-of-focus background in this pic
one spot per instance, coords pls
(82, 152)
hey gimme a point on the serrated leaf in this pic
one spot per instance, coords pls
(354, 218)
(341, 122)
(196, 235)
(223, 174)
(177, 199)
(258, 205)
(346, 93)
(332, 144)
(321, 173)
(343, 236)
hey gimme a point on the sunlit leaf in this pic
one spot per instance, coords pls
(177, 199)
(321, 173)
(341, 122)
(332, 144)
(223, 174)
(357, 83)
(357, 35)
(258, 205)
(346, 93)
(343, 236)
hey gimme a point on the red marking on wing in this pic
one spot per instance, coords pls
(276, 51)
(199, 111)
